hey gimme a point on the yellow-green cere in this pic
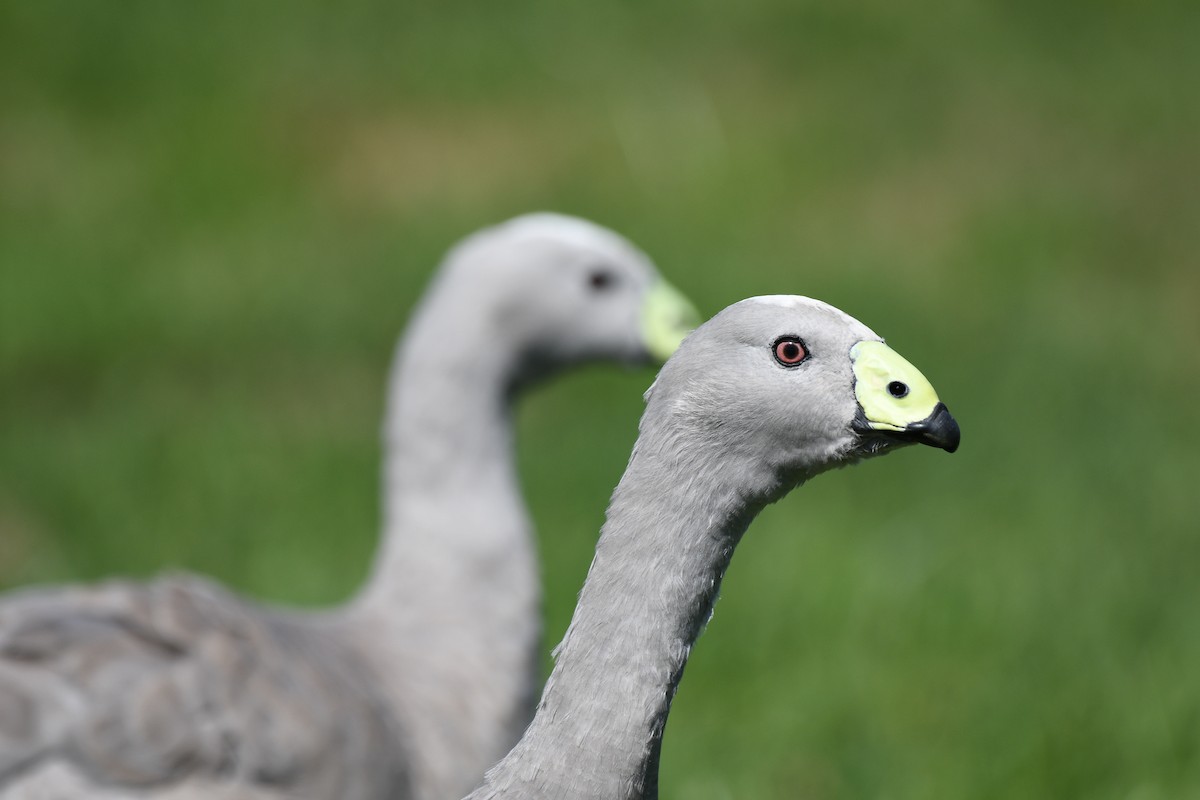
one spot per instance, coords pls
(667, 317)
(878, 367)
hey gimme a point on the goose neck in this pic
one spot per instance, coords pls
(450, 489)
(672, 526)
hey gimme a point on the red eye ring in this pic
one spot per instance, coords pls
(790, 351)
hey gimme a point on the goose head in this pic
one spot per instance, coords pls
(556, 291)
(786, 387)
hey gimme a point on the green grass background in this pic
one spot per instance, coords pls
(215, 218)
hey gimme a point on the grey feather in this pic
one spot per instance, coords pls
(137, 685)
(179, 688)
(727, 429)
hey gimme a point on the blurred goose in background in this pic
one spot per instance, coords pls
(179, 688)
(768, 394)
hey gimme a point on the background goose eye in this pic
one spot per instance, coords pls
(600, 279)
(790, 351)
(897, 389)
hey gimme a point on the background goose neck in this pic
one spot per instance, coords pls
(449, 618)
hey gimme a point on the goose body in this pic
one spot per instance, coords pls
(178, 688)
(765, 396)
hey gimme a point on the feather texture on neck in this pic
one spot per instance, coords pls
(662, 554)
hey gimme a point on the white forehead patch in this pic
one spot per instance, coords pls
(798, 301)
(571, 230)
(784, 300)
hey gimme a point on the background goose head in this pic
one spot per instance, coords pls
(789, 387)
(553, 291)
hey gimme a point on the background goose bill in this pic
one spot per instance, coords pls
(667, 318)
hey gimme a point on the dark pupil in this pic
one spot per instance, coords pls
(600, 279)
(790, 351)
(897, 389)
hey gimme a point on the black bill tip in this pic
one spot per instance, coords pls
(939, 429)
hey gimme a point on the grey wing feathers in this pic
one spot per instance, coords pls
(149, 686)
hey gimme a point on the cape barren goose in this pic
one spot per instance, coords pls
(768, 394)
(180, 688)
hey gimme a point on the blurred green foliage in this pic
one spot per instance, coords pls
(215, 218)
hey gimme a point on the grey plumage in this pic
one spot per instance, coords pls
(179, 688)
(153, 686)
(728, 428)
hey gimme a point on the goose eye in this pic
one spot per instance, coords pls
(790, 351)
(897, 389)
(600, 279)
